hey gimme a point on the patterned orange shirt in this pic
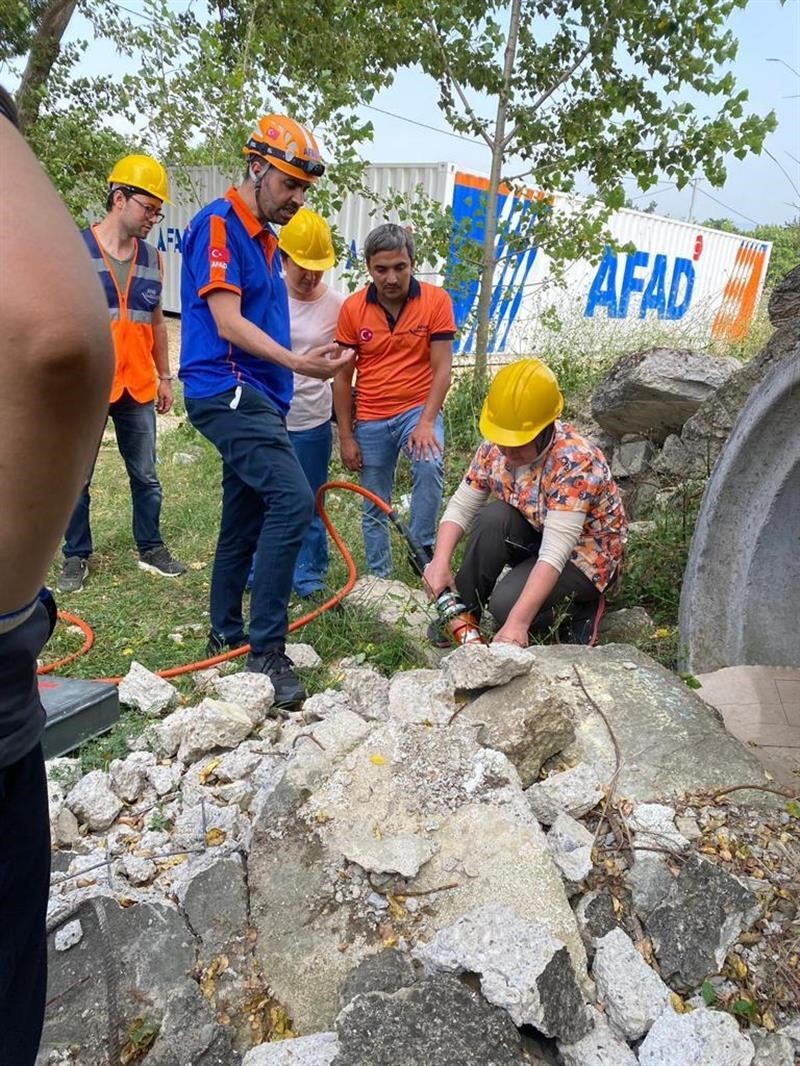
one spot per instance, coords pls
(574, 476)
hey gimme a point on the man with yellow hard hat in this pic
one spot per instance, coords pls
(130, 273)
(539, 498)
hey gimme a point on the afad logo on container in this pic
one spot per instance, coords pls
(666, 287)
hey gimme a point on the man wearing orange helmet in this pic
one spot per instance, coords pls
(540, 499)
(130, 272)
(237, 364)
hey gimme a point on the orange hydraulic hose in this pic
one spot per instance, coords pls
(202, 664)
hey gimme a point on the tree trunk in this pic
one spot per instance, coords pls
(490, 224)
(43, 54)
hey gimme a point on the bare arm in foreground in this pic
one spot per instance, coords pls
(55, 370)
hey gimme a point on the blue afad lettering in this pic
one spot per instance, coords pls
(639, 276)
(173, 240)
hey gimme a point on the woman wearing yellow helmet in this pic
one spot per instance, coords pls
(307, 252)
(539, 498)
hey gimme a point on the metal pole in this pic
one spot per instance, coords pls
(690, 217)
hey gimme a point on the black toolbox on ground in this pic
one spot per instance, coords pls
(76, 711)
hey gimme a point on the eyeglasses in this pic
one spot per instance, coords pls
(149, 211)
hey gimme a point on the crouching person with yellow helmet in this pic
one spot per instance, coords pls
(539, 498)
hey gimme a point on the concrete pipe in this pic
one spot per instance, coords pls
(740, 602)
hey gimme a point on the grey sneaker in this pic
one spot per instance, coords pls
(159, 561)
(74, 572)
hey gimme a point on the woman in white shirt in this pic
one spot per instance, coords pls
(307, 252)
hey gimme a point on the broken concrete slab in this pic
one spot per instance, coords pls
(570, 845)
(522, 968)
(671, 741)
(146, 691)
(701, 1036)
(253, 693)
(93, 801)
(772, 1049)
(633, 994)
(385, 971)
(316, 1050)
(625, 626)
(574, 792)
(596, 916)
(474, 666)
(699, 920)
(212, 893)
(403, 854)
(649, 880)
(303, 656)
(368, 689)
(526, 720)
(632, 456)
(213, 724)
(190, 1034)
(142, 955)
(437, 1020)
(601, 1046)
(437, 784)
(422, 695)
(394, 603)
(653, 825)
(321, 704)
(317, 750)
(129, 775)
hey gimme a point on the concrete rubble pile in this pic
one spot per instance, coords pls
(407, 871)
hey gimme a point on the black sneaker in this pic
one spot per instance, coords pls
(438, 636)
(74, 572)
(278, 667)
(217, 644)
(159, 561)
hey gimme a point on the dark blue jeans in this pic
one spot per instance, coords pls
(267, 506)
(313, 449)
(135, 427)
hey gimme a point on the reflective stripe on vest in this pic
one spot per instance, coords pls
(131, 317)
(143, 289)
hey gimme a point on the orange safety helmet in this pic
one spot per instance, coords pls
(285, 144)
(523, 398)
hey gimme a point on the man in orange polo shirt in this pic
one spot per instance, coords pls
(402, 331)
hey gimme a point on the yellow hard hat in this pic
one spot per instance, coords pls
(523, 398)
(141, 172)
(285, 144)
(306, 239)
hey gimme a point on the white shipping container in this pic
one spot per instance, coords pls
(691, 283)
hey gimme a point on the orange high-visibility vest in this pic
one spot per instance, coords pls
(131, 317)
